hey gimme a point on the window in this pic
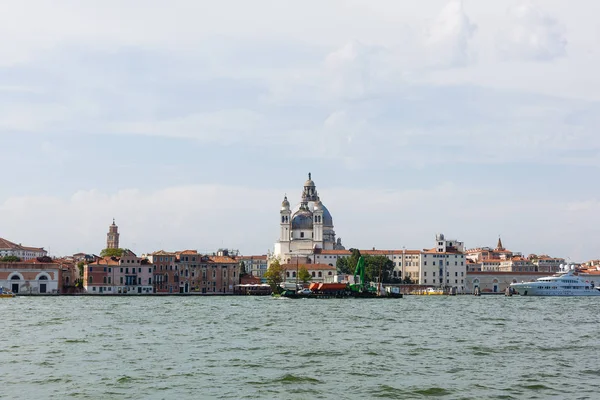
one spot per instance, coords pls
(110, 270)
(104, 280)
(320, 274)
(313, 274)
(121, 280)
(109, 279)
(104, 269)
(301, 234)
(90, 269)
(121, 269)
(433, 273)
(456, 273)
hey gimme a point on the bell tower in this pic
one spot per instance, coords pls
(285, 223)
(112, 238)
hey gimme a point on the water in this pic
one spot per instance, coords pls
(460, 347)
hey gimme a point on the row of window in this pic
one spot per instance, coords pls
(447, 273)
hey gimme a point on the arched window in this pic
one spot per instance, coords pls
(282, 219)
(320, 274)
(90, 280)
(15, 278)
(43, 278)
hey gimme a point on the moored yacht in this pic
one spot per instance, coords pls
(565, 283)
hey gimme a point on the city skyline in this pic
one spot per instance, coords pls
(188, 124)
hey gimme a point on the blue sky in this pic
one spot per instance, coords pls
(188, 121)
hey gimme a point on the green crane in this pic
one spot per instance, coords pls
(361, 286)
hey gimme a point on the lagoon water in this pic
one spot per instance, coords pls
(460, 347)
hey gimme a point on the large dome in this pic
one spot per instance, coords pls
(302, 220)
(327, 218)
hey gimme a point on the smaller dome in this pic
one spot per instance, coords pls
(285, 203)
(302, 220)
(318, 205)
(309, 182)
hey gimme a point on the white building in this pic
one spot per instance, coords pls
(443, 265)
(306, 227)
(8, 248)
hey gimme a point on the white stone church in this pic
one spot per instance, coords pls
(306, 227)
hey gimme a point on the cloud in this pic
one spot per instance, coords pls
(447, 38)
(531, 34)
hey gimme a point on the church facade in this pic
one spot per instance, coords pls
(306, 227)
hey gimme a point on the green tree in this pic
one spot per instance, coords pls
(275, 275)
(347, 265)
(407, 280)
(378, 266)
(242, 268)
(112, 252)
(10, 259)
(303, 275)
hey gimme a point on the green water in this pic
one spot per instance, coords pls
(460, 347)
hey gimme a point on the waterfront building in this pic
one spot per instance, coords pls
(306, 227)
(112, 237)
(32, 276)
(443, 265)
(127, 274)
(165, 271)
(255, 265)
(220, 274)
(8, 248)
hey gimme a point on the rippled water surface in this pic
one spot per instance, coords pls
(460, 347)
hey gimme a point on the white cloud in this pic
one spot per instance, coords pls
(222, 126)
(448, 37)
(531, 34)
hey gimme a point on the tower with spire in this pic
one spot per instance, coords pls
(112, 238)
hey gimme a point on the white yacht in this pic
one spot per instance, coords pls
(565, 283)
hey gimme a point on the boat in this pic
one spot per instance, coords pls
(5, 293)
(565, 283)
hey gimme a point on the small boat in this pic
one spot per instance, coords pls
(5, 293)
(565, 283)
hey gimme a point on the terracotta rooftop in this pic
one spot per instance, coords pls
(7, 244)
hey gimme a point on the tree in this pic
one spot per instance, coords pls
(10, 259)
(378, 266)
(347, 265)
(242, 268)
(112, 252)
(407, 280)
(303, 275)
(274, 275)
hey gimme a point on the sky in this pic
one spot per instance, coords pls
(188, 121)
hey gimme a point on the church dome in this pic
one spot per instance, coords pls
(303, 219)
